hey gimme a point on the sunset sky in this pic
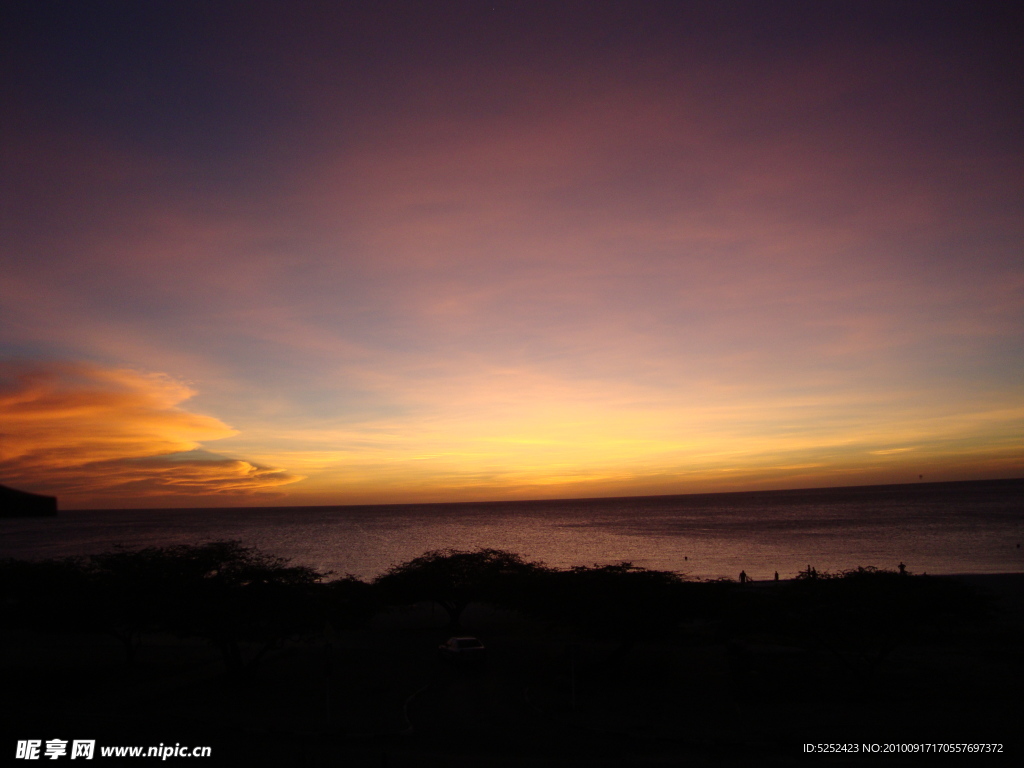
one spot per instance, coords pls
(284, 253)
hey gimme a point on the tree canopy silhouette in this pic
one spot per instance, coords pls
(454, 578)
(621, 601)
(237, 596)
(234, 596)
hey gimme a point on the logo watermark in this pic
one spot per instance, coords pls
(85, 749)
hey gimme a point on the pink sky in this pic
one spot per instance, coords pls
(444, 252)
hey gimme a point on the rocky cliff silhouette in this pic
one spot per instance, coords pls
(14, 503)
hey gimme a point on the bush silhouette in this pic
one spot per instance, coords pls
(862, 615)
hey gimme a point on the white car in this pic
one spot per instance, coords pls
(462, 649)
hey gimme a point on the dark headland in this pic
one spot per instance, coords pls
(14, 503)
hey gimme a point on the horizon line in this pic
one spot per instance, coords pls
(548, 500)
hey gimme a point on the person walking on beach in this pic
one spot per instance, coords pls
(743, 577)
(903, 569)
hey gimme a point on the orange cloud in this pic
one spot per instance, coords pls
(83, 432)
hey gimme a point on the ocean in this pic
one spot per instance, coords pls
(937, 528)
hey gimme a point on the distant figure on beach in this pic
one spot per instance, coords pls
(743, 577)
(776, 575)
(903, 569)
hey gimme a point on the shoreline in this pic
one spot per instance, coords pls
(966, 528)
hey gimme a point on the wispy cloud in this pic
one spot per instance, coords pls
(97, 434)
(522, 249)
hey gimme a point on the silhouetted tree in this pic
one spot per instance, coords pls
(622, 601)
(245, 597)
(138, 591)
(454, 578)
(243, 601)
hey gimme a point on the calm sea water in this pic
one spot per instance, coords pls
(967, 527)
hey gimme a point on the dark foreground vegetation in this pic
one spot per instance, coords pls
(275, 664)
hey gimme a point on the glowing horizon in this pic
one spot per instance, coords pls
(341, 255)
